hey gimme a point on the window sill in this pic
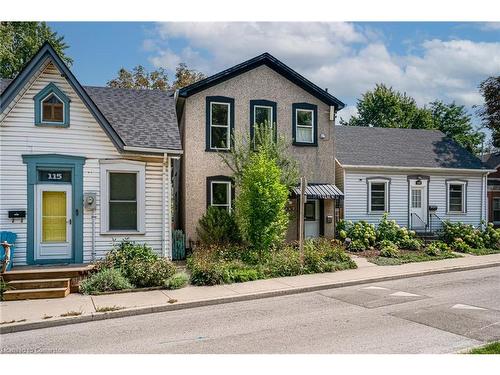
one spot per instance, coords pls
(55, 124)
(305, 144)
(217, 150)
(456, 213)
(123, 233)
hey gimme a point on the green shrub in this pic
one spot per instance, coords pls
(124, 252)
(437, 248)
(388, 230)
(461, 246)
(177, 281)
(411, 244)
(475, 238)
(105, 280)
(218, 226)
(388, 249)
(138, 263)
(149, 273)
(261, 203)
(357, 245)
(283, 261)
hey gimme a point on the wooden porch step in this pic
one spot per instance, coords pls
(16, 295)
(46, 273)
(39, 284)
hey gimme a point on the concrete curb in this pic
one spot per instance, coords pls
(11, 328)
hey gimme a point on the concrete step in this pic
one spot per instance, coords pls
(17, 295)
(39, 284)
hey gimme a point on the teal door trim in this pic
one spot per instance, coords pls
(64, 162)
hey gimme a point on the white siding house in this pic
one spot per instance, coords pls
(40, 173)
(419, 177)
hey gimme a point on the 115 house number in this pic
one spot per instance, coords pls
(54, 176)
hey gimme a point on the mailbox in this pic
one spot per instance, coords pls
(21, 214)
(433, 208)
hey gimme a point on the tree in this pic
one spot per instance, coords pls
(19, 41)
(490, 111)
(266, 141)
(386, 108)
(261, 203)
(454, 121)
(383, 107)
(139, 78)
(185, 76)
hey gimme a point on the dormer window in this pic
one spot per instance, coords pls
(51, 107)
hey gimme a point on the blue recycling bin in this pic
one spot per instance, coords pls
(11, 239)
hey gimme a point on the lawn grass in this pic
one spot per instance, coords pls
(409, 257)
(491, 348)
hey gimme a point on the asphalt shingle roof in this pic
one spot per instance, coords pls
(396, 147)
(492, 160)
(142, 118)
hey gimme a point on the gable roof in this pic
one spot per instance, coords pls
(405, 148)
(271, 62)
(492, 160)
(143, 119)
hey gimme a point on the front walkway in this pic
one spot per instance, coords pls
(19, 315)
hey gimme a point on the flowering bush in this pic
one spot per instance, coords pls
(437, 248)
(388, 249)
(461, 246)
(362, 233)
(475, 238)
(389, 230)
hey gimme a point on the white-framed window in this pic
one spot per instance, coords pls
(304, 125)
(122, 196)
(220, 194)
(263, 114)
(496, 210)
(220, 126)
(378, 195)
(456, 196)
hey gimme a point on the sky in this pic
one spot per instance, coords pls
(427, 60)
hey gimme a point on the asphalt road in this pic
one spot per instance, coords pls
(433, 314)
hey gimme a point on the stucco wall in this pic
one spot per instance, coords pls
(316, 163)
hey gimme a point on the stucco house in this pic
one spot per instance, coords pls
(231, 102)
(492, 161)
(83, 166)
(420, 177)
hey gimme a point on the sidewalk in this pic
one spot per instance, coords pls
(47, 312)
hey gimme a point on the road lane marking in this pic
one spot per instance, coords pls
(404, 294)
(466, 307)
(375, 287)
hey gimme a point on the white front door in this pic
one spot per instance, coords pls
(311, 216)
(418, 206)
(53, 226)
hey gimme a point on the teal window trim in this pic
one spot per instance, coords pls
(51, 88)
(66, 162)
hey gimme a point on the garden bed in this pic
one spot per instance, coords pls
(405, 256)
(226, 264)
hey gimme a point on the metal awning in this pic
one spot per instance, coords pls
(320, 191)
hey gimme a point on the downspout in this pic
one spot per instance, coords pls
(164, 208)
(168, 228)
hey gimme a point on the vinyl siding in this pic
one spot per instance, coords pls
(339, 176)
(84, 137)
(356, 196)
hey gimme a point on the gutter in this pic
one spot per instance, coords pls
(153, 150)
(468, 170)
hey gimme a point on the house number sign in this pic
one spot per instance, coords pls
(54, 176)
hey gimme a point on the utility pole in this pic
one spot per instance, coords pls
(302, 204)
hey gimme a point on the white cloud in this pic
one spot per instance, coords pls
(346, 58)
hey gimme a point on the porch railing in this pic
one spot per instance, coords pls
(435, 224)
